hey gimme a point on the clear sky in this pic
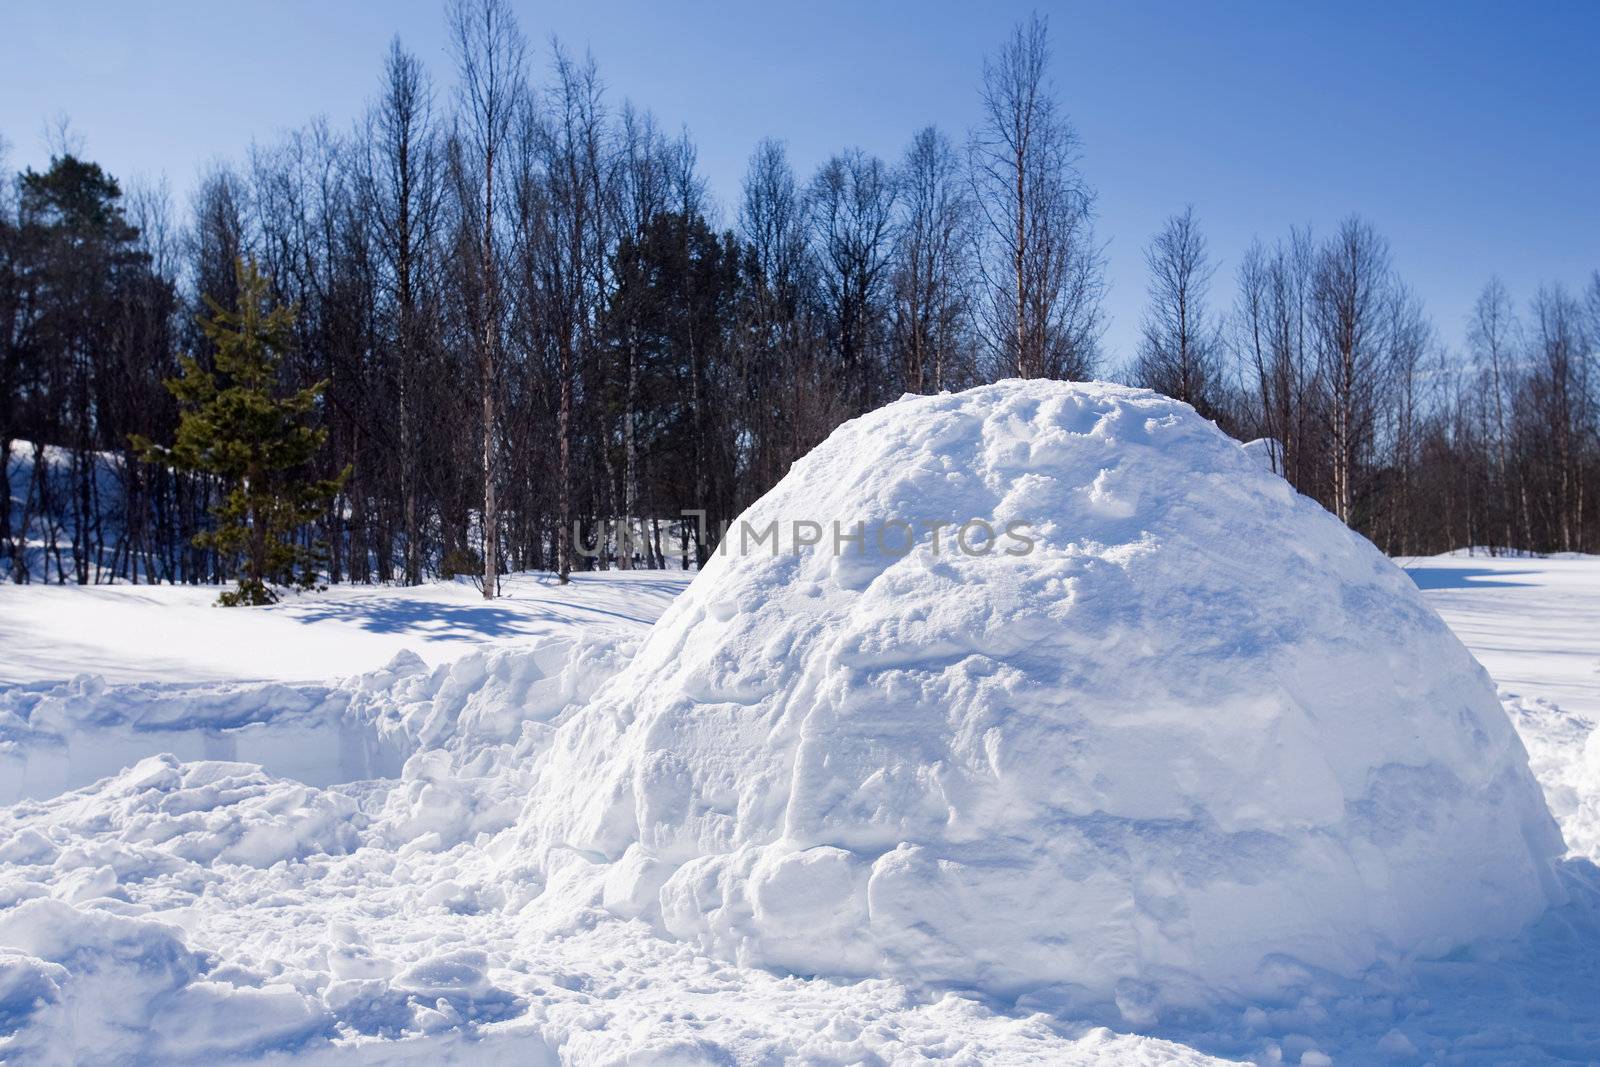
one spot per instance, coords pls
(1469, 133)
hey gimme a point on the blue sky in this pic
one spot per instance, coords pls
(1468, 133)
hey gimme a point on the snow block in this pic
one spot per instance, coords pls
(1196, 734)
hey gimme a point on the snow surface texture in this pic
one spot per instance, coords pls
(1200, 738)
(373, 921)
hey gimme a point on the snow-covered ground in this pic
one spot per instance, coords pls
(153, 633)
(1535, 624)
(216, 914)
(1203, 780)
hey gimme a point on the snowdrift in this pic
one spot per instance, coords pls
(1197, 735)
(66, 735)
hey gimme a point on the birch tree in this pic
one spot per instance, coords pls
(491, 55)
(1492, 338)
(1351, 311)
(1041, 266)
(1178, 340)
(403, 191)
(931, 281)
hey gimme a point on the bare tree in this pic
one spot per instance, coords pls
(1270, 332)
(645, 188)
(1352, 314)
(491, 54)
(403, 191)
(1560, 381)
(850, 206)
(1414, 377)
(1044, 272)
(932, 275)
(1492, 335)
(149, 325)
(216, 239)
(772, 219)
(1249, 335)
(1178, 343)
(14, 345)
(576, 159)
(785, 414)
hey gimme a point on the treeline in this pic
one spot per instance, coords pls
(1328, 354)
(536, 327)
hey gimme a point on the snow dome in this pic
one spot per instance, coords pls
(1176, 728)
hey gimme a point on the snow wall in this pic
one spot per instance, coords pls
(1201, 735)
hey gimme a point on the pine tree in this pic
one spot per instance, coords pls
(238, 425)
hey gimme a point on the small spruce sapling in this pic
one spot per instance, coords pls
(238, 424)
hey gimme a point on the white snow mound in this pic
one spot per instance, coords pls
(1202, 735)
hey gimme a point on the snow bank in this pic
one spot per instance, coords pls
(55, 737)
(1201, 735)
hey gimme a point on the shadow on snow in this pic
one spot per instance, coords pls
(1463, 577)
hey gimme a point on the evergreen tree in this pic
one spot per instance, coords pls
(239, 425)
(676, 288)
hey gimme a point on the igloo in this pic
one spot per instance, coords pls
(1177, 729)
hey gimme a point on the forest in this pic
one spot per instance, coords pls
(528, 328)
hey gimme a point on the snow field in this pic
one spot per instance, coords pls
(164, 633)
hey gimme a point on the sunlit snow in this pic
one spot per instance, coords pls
(1202, 778)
